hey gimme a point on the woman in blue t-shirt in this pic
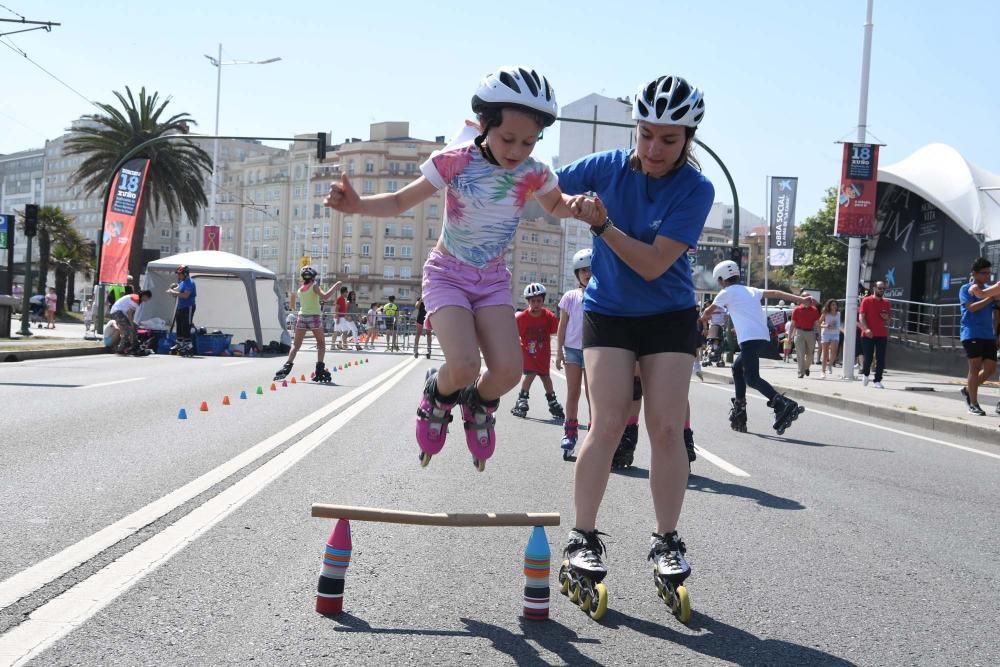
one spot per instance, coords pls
(640, 305)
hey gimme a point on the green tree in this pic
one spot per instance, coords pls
(52, 224)
(70, 254)
(177, 168)
(820, 258)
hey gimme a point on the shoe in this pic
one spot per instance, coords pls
(807, 372)
(878, 385)
(865, 380)
(974, 409)
(801, 375)
(965, 395)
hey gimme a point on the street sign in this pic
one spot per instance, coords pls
(6, 226)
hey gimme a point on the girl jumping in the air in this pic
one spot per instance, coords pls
(466, 285)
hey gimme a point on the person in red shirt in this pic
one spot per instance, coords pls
(804, 318)
(535, 326)
(340, 328)
(873, 316)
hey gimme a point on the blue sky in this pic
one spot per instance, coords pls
(781, 78)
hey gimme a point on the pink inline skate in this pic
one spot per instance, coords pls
(433, 417)
(479, 422)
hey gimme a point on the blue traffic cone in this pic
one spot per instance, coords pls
(182, 414)
(243, 395)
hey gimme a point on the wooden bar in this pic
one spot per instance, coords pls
(486, 519)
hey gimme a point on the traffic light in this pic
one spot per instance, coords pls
(321, 146)
(30, 219)
(736, 254)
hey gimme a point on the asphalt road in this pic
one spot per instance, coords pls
(132, 537)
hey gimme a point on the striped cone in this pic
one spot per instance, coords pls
(336, 558)
(537, 559)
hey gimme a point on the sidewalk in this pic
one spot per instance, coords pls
(66, 340)
(920, 399)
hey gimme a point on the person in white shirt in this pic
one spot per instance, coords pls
(123, 313)
(569, 349)
(750, 322)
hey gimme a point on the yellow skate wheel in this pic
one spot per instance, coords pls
(564, 578)
(574, 593)
(584, 601)
(682, 605)
(599, 603)
(425, 458)
(480, 464)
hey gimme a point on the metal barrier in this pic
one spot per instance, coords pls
(926, 325)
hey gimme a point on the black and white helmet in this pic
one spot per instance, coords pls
(512, 85)
(308, 273)
(669, 100)
(534, 289)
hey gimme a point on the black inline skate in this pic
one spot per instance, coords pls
(738, 415)
(785, 412)
(583, 571)
(555, 409)
(670, 569)
(283, 373)
(689, 446)
(626, 448)
(520, 408)
(322, 374)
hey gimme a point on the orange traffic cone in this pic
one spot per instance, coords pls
(294, 380)
(204, 406)
(225, 400)
(273, 388)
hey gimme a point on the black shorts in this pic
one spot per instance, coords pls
(980, 348)
(676, 331)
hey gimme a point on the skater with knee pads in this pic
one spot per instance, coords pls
(640, 306)
(569, 350)
(310, 318)
(489, 177)
(744, 306)
(535, 326)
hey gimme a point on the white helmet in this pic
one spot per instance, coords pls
(308, 273)
(581, 259)
(669, 100)
(725, 270)
(512, 85)
(534, 289)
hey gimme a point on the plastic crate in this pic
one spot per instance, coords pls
(212, 344)
(165, 342)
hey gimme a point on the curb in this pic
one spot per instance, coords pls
(15, 355)
(937, 424)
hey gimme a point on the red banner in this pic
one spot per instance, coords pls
(858, 186)
(210, 237)
(119, 220)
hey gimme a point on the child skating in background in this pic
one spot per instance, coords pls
(371, 322)
(466, 284)
(310, 318)
(535, 326)
(569, 349)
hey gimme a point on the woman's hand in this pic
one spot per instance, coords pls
(343, 197)
(588, 209)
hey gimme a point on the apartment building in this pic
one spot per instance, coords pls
(535, 255)
(21, 182)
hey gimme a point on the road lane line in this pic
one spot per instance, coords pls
(108, 384)
(68, 611)
(936, 441)
(237, 363)
(31, 579)
(707, 455)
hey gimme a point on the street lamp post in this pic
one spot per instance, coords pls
(218, 63)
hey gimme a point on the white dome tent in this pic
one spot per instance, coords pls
(235, 295)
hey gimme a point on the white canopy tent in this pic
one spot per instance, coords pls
(235, 295)
(967, 194)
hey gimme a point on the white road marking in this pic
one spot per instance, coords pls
(917, 436)
(68, 611)
(31, 579)
(704, 453)
(108, 384)
(237, 363)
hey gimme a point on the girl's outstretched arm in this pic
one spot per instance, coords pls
(325, 296)
(344, 198)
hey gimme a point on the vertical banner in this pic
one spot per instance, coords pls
(210, 237)
(858, 185)
(782, 238)
(6, 225)
(119, 220)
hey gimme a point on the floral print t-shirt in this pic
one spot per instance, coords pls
(483, 202)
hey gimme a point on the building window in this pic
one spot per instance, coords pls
(411, 167)
(348, 229)
(432, 211)
(406, 251)
(366, 250)
(350, 167)
(390, 251)
(316, 211)
(407, 231)
(389, 272)
(347, 268)
(430, 233)
(405, 272)
(347, 250)
(369, 186)
(390, 229)
(388, 290)
(393, 167)
(369, 167)
(366, 229)
(393, 186)
(365, 269)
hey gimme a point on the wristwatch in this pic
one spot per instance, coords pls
(597, 231)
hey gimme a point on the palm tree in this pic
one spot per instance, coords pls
(52, 224)
(70, 254)
(177, 169)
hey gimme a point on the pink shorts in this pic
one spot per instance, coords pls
(451, 282)
(308, 322)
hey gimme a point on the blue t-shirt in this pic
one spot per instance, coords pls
(675, 206)
(977, 324)
(187, 285)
